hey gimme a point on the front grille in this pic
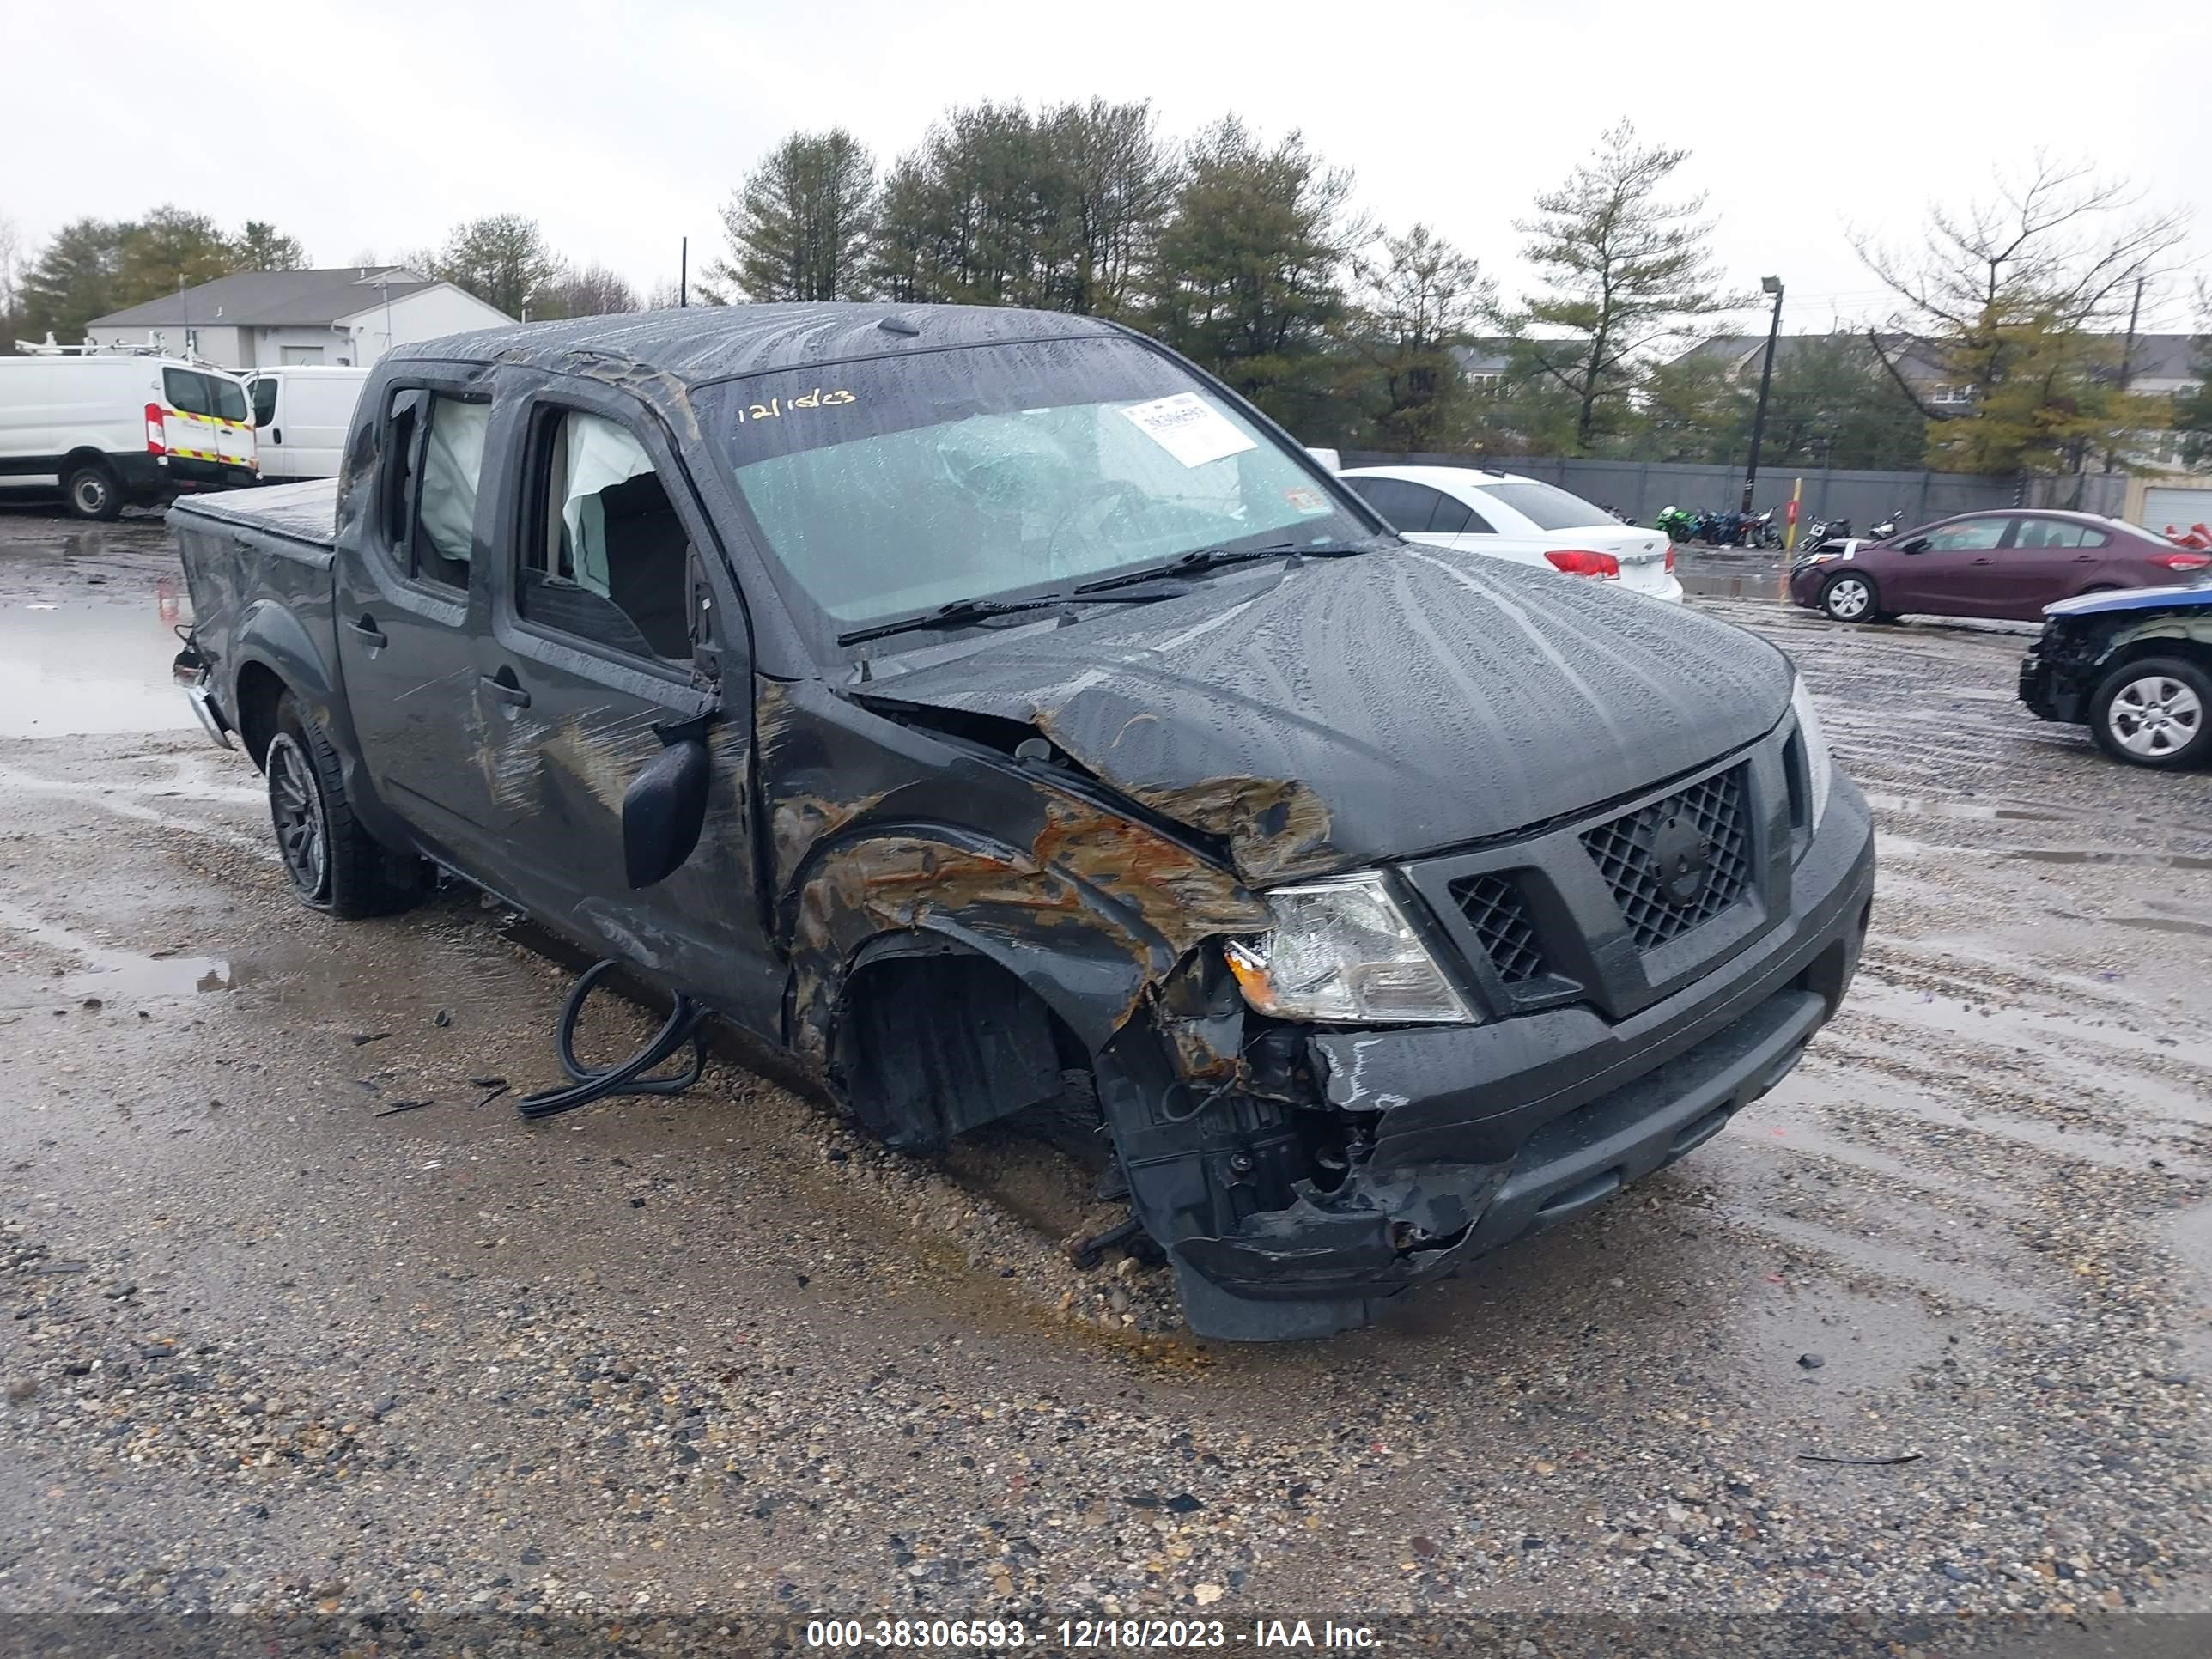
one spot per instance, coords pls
(1493, 907)
(1651, 857)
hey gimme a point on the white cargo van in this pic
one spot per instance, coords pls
(114, 430)
(301, 415)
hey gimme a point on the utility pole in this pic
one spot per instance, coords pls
(2127, 361)
(1768, 285)
(683, 274)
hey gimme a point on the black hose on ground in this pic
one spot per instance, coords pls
(682, 1026)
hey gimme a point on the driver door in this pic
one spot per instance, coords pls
(616, 633)
(1955, 573)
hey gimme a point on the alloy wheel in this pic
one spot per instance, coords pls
(296, 805)
(1848, 598)
(2155, 717)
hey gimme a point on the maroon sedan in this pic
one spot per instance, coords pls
(1988, 564)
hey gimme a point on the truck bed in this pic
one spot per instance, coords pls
(271, 548)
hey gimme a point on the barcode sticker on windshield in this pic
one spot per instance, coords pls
(1189, 429)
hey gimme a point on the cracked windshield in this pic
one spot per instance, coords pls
(886, 489)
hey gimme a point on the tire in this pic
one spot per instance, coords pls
(92, 492)
(1849, 597)
(2155, 712)
(335, 866)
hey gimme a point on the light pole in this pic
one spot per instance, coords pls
(1767, 285)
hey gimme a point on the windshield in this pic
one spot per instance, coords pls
(884, 488)
(1548, 507)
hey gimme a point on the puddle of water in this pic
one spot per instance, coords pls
(84, 667)
(1717, 585)
(1921, 806)
(110, 975)
(2163, 924)
(2105, 855)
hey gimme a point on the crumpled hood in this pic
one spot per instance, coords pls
(1376, 707)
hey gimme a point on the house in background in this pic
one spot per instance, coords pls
(2157, 366)
(1483, 364)
(266, 318)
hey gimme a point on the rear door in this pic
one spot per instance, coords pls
(407, 580)
(188, 414)
(616, 632)
(2047, 560)
(233, 421)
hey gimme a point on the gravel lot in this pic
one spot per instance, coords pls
(1923, 1333)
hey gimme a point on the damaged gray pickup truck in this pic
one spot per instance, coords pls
(989, 709)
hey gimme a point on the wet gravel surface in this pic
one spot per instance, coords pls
(300, 1318)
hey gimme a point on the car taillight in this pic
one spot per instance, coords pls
(157, 441)
(1576, 562)
(2182, 561)
(1670, 558)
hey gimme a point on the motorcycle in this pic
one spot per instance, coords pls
(1888, 527)
(1677, 526)
(1765, 532)
(1824, 530)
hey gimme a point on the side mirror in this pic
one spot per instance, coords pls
(1917, 545)
(663, 812)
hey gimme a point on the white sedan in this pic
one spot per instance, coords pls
(1524, 520)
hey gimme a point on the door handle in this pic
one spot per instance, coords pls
(1984, 560)
(367, 628)
(2085, 558)
(502, 686)
(276, 434)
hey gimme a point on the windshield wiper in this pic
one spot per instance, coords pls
(959, 613)
(1213, 558)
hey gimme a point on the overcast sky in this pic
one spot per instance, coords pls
(622, 125)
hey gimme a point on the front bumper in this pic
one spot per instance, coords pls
(2049, 692)
(1482, 1134)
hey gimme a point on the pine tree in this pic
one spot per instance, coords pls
(799, 227)
(1251, 268)
(1624, 271)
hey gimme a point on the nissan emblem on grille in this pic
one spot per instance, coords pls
(1679, 854)
(1676, 862)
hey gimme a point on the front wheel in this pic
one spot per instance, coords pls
(92, 492)
(334, 864)
(1849, 597)
(2153, 713)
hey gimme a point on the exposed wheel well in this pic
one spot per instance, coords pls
(931, 1040)
(2189, 650)
(259, 691)
(79, 456)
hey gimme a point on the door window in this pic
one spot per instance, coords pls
(187, 392)
(605, 556)
(446, 513)
(1970, 535)
(2058, 532)
(227, 397)
(434, 458)
(1409, 507)
(264, 401)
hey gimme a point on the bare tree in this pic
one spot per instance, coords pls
(2014, 304)
(2055, 254)
(594, 291)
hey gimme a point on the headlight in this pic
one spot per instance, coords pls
(1342, 951)
(1819, 766)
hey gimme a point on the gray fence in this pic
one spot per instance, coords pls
(1638, 489)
